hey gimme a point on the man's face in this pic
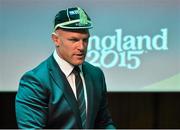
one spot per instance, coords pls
(72, 45)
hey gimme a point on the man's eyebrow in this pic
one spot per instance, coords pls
(73, 37)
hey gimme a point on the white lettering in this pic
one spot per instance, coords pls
(162, 44)
(124, 50)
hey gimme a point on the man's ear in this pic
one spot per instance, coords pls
(55, 39)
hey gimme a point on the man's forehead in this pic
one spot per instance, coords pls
(80, 31)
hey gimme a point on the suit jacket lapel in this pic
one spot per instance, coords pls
(90, 95)
(62, 82)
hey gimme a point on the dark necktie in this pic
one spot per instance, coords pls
(80, 96)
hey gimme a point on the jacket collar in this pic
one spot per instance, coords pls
(90, 94)
(60, 79)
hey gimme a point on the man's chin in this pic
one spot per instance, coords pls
(79, 62)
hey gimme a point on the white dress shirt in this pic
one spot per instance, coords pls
(67, 69)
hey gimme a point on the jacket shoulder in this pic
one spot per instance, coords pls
(40, 69)
(40, 73)
(87, 64)
(91, 69)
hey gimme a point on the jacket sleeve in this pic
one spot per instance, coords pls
(103, 118)
(31, 103)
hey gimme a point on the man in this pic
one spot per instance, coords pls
(64, 91)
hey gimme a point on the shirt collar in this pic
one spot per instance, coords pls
(64, 65)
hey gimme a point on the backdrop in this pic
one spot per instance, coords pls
(135, 42)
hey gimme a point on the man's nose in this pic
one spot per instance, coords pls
(81, 45)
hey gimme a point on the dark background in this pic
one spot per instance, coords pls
(128, 110)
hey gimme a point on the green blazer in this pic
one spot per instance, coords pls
(46, 100)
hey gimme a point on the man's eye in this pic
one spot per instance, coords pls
(86, 40)
(73, 40)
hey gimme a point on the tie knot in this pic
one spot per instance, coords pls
(76, 70)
